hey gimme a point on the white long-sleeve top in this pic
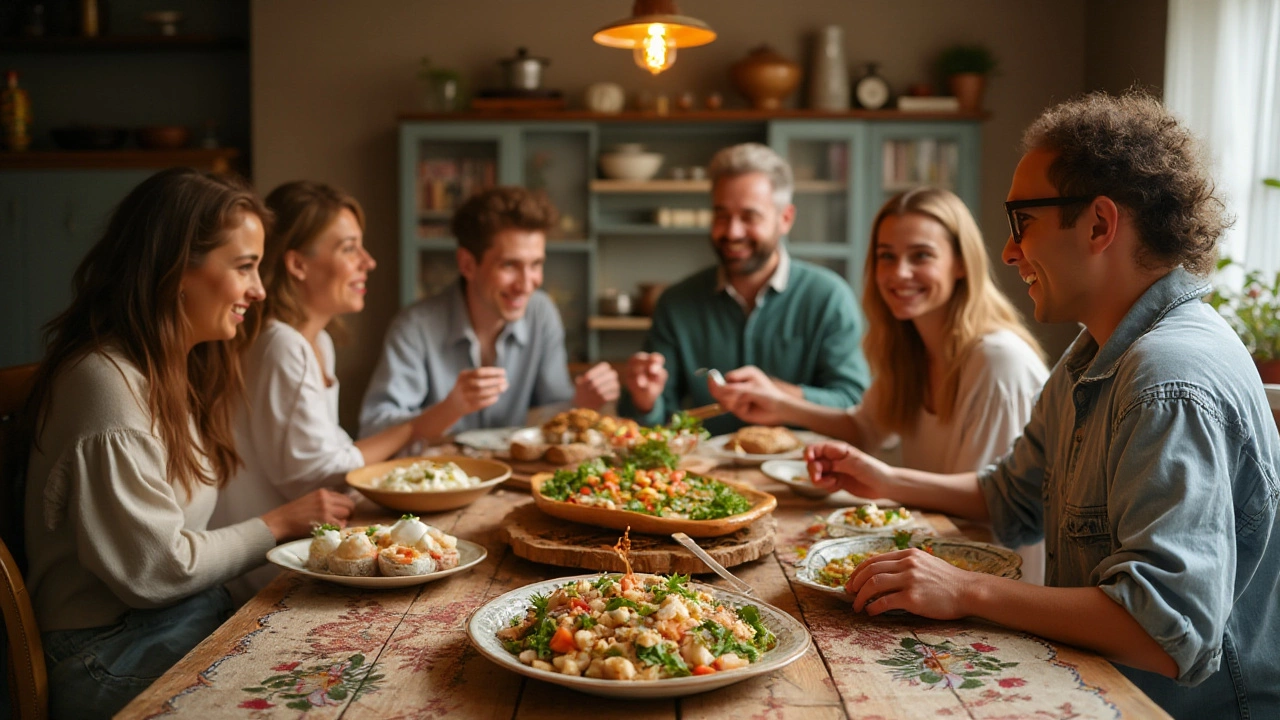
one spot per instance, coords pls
(286, 432)
(106, 530)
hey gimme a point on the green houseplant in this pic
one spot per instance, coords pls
(965, 68)
(1254, 313)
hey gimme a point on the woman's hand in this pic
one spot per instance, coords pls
(296, 518)
(841, 466)
(911, 580)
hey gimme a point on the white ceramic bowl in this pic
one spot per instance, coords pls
(637, 166)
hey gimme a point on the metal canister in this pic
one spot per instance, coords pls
(523, 72)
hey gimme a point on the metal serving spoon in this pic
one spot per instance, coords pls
(716, 567)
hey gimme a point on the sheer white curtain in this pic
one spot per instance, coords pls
(1222, 76)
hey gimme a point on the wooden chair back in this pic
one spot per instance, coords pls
(28, 677)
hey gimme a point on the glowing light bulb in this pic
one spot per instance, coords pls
(657, 51)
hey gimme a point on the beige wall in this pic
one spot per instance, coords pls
(329, 78)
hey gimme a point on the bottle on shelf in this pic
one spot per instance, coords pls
(15, 114)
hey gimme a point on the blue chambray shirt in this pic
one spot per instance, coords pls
(431, 341)
(1150, 468)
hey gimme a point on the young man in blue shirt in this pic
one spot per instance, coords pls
(1150, 462)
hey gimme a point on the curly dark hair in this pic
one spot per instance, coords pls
(488, 212)
(1133, 150)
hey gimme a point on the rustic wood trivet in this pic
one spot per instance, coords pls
(536, 536)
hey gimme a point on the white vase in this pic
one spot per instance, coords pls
(829, 83)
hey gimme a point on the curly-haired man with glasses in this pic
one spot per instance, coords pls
(1150, 462)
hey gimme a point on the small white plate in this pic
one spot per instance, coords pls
(795, 475)
(293, 556)
(836, 527)
(715, 448)
(488, 619)
(491, 439)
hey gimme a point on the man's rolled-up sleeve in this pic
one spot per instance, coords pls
(1171, 512)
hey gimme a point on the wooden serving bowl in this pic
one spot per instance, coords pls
(491, 473)
(762, 503)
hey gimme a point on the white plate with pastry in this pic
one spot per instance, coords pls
(755, 444)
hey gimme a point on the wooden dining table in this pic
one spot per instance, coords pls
(305, 647)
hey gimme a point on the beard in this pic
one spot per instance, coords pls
(761, 252)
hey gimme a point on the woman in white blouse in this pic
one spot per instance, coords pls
(315, 268)
(955, 371)
(129, 424)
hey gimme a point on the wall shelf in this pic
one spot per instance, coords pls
(650, 229)
(693, 116)
(216, 160)
(622, 322)
(120, 43)
(651, 186)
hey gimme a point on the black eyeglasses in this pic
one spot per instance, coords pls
(1011, 207)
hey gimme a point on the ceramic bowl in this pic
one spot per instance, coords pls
(89, 137)
(490, 472)
(635, 166)
(163, 137)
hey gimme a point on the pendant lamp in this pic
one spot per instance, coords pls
(653, 32)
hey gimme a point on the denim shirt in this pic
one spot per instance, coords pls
(1150, 468)
(431, 341)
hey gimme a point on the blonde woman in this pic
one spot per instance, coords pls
(315, 269)
(954, 370)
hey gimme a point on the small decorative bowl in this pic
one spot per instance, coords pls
(163, 137)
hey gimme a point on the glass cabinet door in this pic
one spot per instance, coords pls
(443, 164)
(939, 154)
(824, 158)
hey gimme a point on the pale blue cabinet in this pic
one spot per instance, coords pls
(616, 235)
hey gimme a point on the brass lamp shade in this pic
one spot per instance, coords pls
(682, 31)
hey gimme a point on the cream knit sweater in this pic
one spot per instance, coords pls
(106, 530)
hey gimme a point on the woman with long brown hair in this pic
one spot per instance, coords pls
(130, 422)
(315, 269)
(954, 370)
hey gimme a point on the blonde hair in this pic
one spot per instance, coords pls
(303, 210)
(894, 348)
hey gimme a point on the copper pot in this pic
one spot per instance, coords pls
(765, 77)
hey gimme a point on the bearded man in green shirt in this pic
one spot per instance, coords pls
(758, 310)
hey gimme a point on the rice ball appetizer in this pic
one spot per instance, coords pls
(400, 560)
(324, 540)
(355, 556)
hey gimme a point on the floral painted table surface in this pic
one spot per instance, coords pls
(310, 649)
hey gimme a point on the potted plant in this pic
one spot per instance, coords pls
(1254, 313)
(442, 87)
(964, 68)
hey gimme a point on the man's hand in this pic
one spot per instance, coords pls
(477, 388)
(596, 387)
(841, 466)
(645, 376)
(911, 580)
(751, 395)
(297, 517)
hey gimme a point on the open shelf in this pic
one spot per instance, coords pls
(622, 322)
(120, 43)
(649, 229)
(651, 186)
(217, 160)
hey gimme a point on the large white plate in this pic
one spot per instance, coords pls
(491, 439)
(715, 448)
(487, 620)
(293, 556)
(985, 558)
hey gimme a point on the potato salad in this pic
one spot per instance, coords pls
(426, 476)
(635, 627)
